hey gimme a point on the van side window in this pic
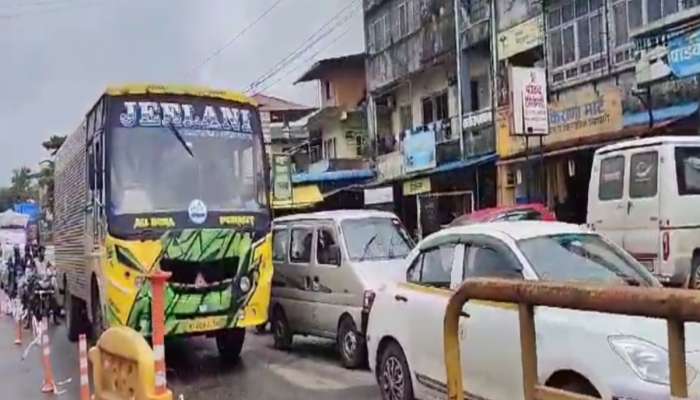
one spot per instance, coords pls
(300, 245)
(280, 239)
(612, 175)
(435, 268)
(326, 245)
(688, 170)
(643, 171)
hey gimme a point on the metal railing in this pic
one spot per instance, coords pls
(676, 306)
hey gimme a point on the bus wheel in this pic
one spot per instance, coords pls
(98, 323)
(76, 317)
(230, 343)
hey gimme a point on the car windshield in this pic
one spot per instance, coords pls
(376, 239)
(220, 172)
(582, 258)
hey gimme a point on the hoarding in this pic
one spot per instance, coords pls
(529, 101)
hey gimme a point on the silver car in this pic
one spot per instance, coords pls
(327, 268)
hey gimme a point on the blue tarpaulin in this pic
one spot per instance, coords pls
(329, 176)
(32, 210)
(661, 114)
(453, 165)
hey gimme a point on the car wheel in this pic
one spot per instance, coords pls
(76, 317)
(575, 384)
(281, 331)
(393, 374)
(351, 344)
(230, 344)
(695, 273)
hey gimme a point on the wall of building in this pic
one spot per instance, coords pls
(347, 88)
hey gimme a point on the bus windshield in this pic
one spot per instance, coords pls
(153, 172)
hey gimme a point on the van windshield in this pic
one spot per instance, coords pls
(376, 239)
(688, 170)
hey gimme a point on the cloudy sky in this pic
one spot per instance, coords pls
(58, 55)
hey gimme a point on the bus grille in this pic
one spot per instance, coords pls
(214, 273)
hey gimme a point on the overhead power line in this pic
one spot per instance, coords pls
(306, 62)
(236, 37)
(304, 46)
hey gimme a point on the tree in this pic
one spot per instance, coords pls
(54, 143)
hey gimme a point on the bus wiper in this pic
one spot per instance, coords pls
(179, 138)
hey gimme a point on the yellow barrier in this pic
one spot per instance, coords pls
(123, 367)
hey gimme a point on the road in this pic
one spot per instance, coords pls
(311, 370)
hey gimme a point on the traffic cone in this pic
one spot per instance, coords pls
(84, 379)
(49, 385)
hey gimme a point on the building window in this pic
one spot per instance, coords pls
(377, 35)
(435, 108)
(387, 29)
(402, 19)
(575, 35)
(631, 14)
(327, 93)
(329, 149)
(405, 117)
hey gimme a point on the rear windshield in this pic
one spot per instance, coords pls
(688, 170)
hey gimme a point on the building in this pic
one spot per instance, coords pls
(337, 154)
(280, 123)
(611, 74)
(429, 169)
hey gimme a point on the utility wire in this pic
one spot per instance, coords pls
(305, 46)
(310, 59)
(236, 37)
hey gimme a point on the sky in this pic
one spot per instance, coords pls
(57, 56)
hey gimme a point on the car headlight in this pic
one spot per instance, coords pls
(244, 284)
(648, 361)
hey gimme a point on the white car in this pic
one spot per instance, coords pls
(602, 355)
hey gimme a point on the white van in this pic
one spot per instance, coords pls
(328, 266)
(644, 195)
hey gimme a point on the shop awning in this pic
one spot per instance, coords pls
(661, 114)
(302, 196)
(453, 165)
(329, 176)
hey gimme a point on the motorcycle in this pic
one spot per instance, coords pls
(38, 296)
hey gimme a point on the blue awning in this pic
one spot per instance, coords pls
(660, 114)
(453, 165)
(329, 176)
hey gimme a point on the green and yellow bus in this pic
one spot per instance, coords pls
(168, 177)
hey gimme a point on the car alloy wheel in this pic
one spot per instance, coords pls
(392, 379)
(350, 344)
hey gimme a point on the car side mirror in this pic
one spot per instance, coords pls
(334, 254)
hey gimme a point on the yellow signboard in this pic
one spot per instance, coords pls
(520, 38)
(586, 113)
(416, 186)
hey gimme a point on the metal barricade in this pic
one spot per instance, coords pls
(676, 306)
(124, 367)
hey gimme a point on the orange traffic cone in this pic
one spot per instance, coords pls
(84, 379)
(49, 385)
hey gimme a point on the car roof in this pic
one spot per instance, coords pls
(336, 215)
(651, 141)
(517, 230)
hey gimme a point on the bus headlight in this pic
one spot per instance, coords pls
(244, 284)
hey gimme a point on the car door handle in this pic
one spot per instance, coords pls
(629, 206)
(463, 314)
(399, 297)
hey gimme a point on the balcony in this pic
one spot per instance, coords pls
(476, 27)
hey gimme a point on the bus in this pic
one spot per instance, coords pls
(171, 178)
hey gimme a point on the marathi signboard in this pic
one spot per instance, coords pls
(587, 113)
(281, 178)
(520, 38)
(529, 101)
(419, 151)
(684, 55)
(416, 186)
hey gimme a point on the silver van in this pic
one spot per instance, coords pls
(327, 268)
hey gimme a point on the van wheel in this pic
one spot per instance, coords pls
(351, 344)
(695, 273)
(281, 331)
(76, 317)
(393, 374)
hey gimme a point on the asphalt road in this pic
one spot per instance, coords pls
(310, 371)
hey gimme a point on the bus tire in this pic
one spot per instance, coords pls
(230, 344)
(75, 320)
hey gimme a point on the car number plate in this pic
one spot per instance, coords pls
(205, 324)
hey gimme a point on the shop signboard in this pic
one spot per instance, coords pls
(281, 178)
(684, 54)
(529, 101)
(379, 195)
(419, 150)
(416, 186)
(520, 38)
(587, 113)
